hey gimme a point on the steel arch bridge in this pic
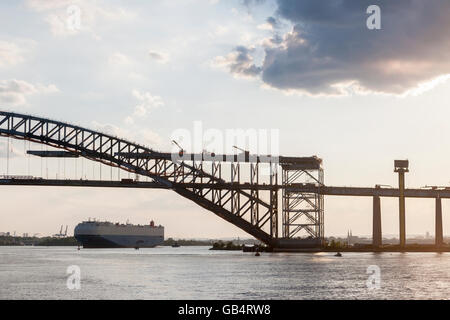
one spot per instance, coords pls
(253, 208)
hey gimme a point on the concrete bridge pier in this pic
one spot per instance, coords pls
(401, 166)
(376, 231)
(438, 223)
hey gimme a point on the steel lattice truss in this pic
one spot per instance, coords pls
(303, 212)
(245, 209)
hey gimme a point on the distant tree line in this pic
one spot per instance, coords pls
(185, 242)
(46, 241)
(229, 245)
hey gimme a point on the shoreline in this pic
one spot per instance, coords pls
(362, 250)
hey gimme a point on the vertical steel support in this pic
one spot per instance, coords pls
(321, 206)
(235, 195)
(376, 226)
(285, 204)
(274, 200)
(217, 173)
(438, 223)
(254, 180)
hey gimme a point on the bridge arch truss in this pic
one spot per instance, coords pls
(253, 209)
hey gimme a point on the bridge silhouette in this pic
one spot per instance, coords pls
(243, 189)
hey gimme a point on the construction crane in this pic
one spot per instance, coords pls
(236, 147)
(181, 152)
(60, 234)
(245, 152)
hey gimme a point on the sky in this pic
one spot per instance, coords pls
(356, 97)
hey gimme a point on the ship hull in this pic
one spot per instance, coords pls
(119, 241)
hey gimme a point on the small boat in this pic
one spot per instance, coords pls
(249, 248)
(176, 245)
(338, 254)
(257, 254)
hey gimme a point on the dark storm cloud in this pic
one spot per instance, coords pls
(240, 62)
(272, 21)
(331, 44)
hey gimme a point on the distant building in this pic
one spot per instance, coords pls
(349, 238)
(352, 240)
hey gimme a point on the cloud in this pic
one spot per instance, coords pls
(144, 137)
(15, 92)
(44, 5)
(329, 47)
(160, 57)
(146, 103)
(118, 59)
(270, 24)
(10, 54)
(70, 17)
(15, 51)
(239, 62)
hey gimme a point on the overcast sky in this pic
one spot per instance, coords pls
(357, 98)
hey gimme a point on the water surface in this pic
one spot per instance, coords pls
(199, 273)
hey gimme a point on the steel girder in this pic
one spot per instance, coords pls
(244, 209)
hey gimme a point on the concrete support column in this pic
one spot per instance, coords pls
(401, 198)
(438, 223)
(376, 231)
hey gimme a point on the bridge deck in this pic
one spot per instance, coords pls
(325, 190)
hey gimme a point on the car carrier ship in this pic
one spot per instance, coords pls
(96, 234)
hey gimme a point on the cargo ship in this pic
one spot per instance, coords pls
(96, 234)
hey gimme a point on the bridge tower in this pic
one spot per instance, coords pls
(302, 212)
